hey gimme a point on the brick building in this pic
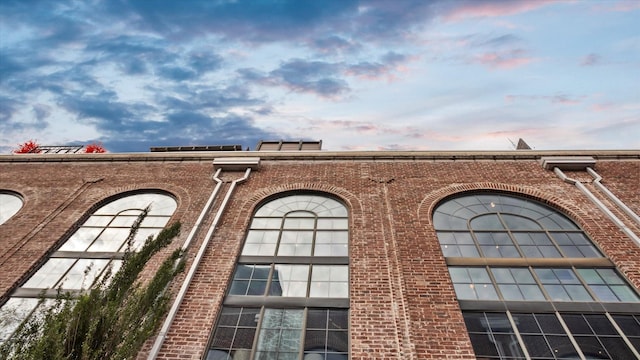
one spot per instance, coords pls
(298, 253)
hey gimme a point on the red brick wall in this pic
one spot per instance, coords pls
(402, 303)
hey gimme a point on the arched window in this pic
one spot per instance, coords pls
(531, 284)
(97, 245)
(289, 296)
(10, 204)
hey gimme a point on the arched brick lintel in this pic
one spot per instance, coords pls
(259, 196)
(432, 200)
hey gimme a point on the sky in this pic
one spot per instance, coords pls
(358, 75)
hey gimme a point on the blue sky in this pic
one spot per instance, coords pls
(359, 75)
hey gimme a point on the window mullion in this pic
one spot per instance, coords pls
(539, 283)
(586, 285)
(475, 242)
(570, 335)
(635, 351)
(510, 234)
(303, 332)
(494, 283)
(518, 336)
(254, 345)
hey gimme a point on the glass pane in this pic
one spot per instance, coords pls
(624, 293)
(578, 293)
(81, 239)
(50, 273)
(465, 291)
(549, 251)
(266, 223)
(98, 221)
(83, 273)
(331, 243)
(468, 251)
(562, 347)
(111, 240)
(296, 223)
(549, 323)
(557, 293)
(290, 280)
(127, 221)
(244, 338)
(486, 292)
(537, 346)
(295, 243)
(280, 331)
(532, 292)
(616, 348)
(260, 242)
(9, 205)
(557, 221)
(329, 281)
(511, 292)
(628, 324)
(449, 222)
(337, 224)
(486, 222)
(519, 223)
(12, 313)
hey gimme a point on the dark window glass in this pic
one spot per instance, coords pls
(492, 336)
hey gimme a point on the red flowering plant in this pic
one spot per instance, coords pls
(28, 147)
(94, 148)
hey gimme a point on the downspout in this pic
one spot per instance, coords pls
(164, 330)
(611, 196)
(598, 203)
(204, 211)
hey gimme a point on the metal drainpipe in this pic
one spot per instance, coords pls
(155, 350)
(204, 211)
(598, 203)
(611, 196)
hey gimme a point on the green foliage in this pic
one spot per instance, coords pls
(112, 320)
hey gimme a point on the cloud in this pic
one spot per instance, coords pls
(387, 65)
(591, 60)
(176, 73)
(562, 99)
(334, 44)
(298, 75)
(618, 6)
(460, 10)
(503, 59)
(323, 78)
(502, 40)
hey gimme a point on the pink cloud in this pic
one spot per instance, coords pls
(494, 9)
(561, 99)
(357, 126)
(602, 107)
(503, 60)
(620, 6)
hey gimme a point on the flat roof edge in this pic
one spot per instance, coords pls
(321, 155)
